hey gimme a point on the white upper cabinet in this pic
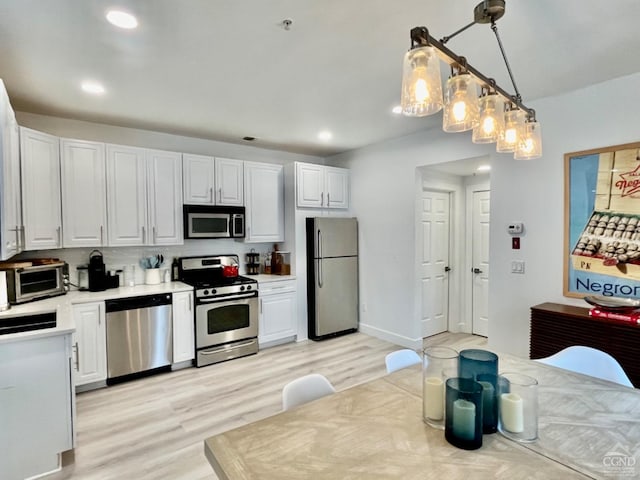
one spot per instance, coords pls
(229, 182)
(264, 191)
(84, 193)
(10, 203)
(336, 187)
(40, 155)
(212, 181)
(198, 172)
(164, 180)
(126, 196)
(144, 196)
(318, 186)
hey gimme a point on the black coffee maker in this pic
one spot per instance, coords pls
(97, 272)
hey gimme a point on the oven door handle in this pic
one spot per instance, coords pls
(226, 299)
(225, 348)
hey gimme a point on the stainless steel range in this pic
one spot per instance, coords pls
(226, 308)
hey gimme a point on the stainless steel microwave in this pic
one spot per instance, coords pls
(37, 281)
(203, 221)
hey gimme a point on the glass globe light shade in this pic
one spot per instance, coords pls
(421, 85)
(508, 136)
(460, 104)
(529, 141)
(490, 119)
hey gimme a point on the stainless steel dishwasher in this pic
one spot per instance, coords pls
(139, 335)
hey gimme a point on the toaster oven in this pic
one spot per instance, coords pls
(36, 281)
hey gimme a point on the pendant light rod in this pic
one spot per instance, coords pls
(494, 27)
(446, 38)
(420, 37)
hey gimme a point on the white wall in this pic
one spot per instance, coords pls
(383, 194)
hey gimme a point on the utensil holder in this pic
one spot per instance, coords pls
(518, 398)
(463, 416)
(482, 366)
(152, 276)
(438, 364)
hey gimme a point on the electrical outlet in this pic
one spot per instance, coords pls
(517, 266)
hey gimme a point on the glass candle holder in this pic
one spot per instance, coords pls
(518, 406)
(463, 416)
(482, 366)
(438, 364)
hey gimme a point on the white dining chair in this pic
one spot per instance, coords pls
(401, 359)
(305, 389)
(589, 361)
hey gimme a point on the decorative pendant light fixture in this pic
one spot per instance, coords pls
(497, 116)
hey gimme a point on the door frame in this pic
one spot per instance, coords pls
(467, 308)
(432, 180)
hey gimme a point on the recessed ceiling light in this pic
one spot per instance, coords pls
(122, 19)
(397, 110)
(325, 135)
(484, 168)
(93, 88)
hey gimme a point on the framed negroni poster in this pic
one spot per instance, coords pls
(602, 222)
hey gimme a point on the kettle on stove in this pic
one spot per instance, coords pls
(97, 272)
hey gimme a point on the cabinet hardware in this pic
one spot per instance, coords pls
(321, 199)
(220, 194)
(447, 269)
(476, 270)
(101, 235)
(143, 235)
(58, 233)
(328, 199)
(260, 305)
(153, 231)
(211, 194)
(77, 357)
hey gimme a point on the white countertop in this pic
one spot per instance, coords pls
(265, 278)
(62, 306)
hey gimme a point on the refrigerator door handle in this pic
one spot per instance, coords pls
(320, 272)
(319, 244)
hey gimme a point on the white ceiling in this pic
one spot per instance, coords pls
(223, 69)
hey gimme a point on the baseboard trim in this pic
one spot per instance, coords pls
(413, 343)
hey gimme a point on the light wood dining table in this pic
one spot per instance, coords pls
(588, 428)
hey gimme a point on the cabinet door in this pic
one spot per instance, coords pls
(198, 179)
(40, 156)
(164, 183)
(336, 187)
(126, 196)
(10, 212)
(264, 191)
(90, 343)
(183, 327)
(37, 405)
(229, 182)
(84, 193)
(309, 185)
(277, 318)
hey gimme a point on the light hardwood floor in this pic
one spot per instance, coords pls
(153, 428)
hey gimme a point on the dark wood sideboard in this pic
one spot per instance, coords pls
(555, 326)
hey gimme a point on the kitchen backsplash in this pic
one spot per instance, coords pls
(115, 258)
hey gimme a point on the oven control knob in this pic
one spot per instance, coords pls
(213, 291)
(248, 287)
(242, 288)
(206, 292)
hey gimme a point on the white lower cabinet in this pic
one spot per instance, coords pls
(90, 343)
(37, 405)
(278, 309)
(183, 327)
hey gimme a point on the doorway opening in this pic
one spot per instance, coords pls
(452, 247)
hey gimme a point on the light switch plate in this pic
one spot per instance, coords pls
(517, 266)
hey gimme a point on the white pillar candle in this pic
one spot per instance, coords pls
(464, 419)
(433, 398)
(512, 412)
(488, 396)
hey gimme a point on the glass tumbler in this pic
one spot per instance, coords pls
(463, 417)
(482, 366)
(438, 364)
(518, 398)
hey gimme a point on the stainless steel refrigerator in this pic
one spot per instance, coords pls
(332, 276)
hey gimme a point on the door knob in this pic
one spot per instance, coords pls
(447, 269)
(476, 270)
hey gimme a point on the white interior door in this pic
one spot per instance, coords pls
(480, 255)
(434, 277)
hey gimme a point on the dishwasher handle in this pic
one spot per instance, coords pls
(134, 303)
